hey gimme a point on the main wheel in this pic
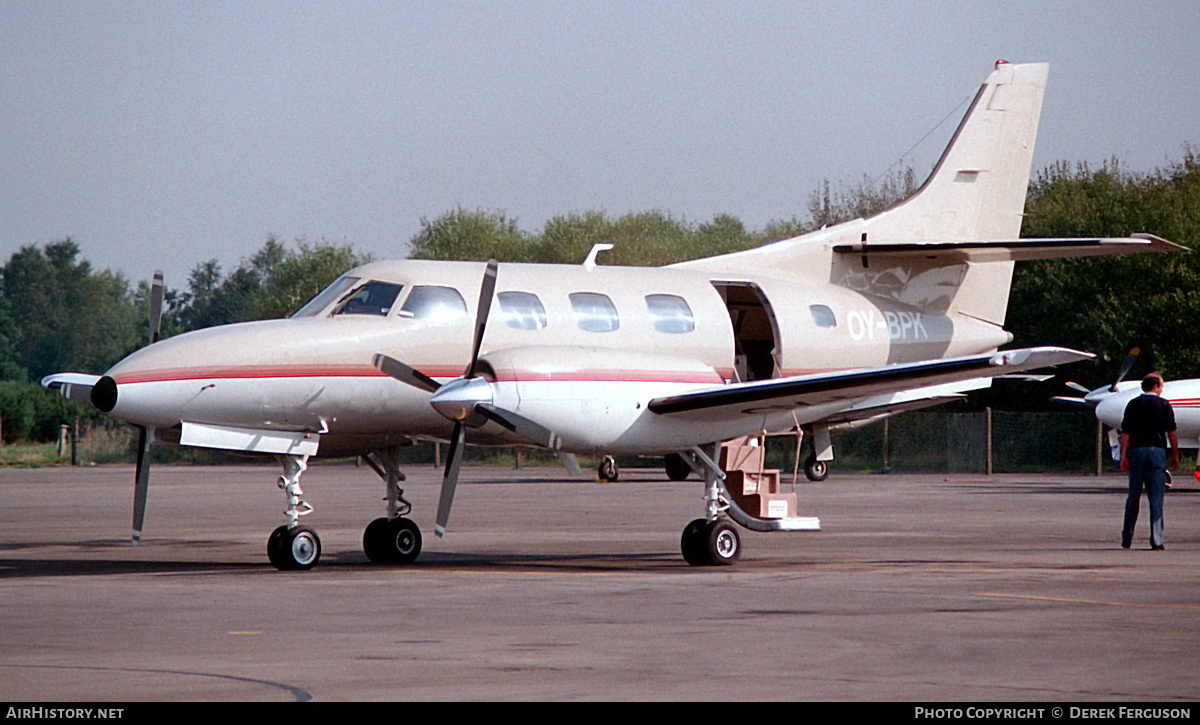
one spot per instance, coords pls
(692, 543)
(815, 470)
(395, 541)
(677, 468)
(373, 540)
(608, 469)
(723, 545)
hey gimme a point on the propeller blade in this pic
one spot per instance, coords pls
(520, 425)
(1068, 400)
(141, 482)
(570, 462)
(1130, 359)
(1077, 386)
(486, 290)
(405, 374)
(156, 304)
(449, 479)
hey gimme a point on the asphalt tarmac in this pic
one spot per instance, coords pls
(918, 588)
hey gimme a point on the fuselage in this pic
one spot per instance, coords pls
(581, 348)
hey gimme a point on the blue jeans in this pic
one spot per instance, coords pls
(1147, 468)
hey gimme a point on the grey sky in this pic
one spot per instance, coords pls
(161, 134)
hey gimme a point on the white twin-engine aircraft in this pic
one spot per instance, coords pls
(897, 311)
(1109, 403)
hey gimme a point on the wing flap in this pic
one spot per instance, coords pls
(851, 385)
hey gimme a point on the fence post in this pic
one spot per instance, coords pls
(989, 440)
(886, 468)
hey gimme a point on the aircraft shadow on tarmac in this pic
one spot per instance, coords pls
(16, 568)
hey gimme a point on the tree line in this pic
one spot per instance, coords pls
(58, 313)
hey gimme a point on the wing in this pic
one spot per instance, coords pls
(914, 381)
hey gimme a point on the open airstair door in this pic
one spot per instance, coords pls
(755, 331)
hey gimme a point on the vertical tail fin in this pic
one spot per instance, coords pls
(976, 192)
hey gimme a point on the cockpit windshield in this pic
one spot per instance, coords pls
(372, 298)
(326, 297)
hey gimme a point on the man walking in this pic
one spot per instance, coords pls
(1148, 425)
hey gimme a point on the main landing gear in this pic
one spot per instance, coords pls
(392, 539)
(712, 540)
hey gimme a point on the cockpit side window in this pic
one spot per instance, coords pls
(594, 312)
(434, 304)
(372, 298)
(522, 310)
(326, 297)
(670, 313)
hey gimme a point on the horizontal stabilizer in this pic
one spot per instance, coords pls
(1012, 251)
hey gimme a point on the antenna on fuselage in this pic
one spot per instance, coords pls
(590, 263)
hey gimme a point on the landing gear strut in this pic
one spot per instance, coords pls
(392, 539)
(291, 546)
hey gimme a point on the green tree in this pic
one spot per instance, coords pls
(270, 284)
(471, 235)
(1108, 304)
(67, 316)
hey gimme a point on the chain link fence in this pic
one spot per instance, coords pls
(977, 442)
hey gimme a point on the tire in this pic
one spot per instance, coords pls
(723, 546)
(275, 548)
(300, 549)
(677, 467)
(692, 543)
(816, 470)
(373, 540)
(402, 544)
(608, 469)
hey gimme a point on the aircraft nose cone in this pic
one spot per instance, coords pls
(104, 394)
(457, 399)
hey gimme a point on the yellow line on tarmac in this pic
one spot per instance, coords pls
(1067, 600)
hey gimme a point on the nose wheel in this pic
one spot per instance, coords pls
(297, 548)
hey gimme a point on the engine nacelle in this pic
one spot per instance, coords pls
(591, 397)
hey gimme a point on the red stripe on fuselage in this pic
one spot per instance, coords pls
(268, 372)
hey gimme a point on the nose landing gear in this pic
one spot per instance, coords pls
(293, 547)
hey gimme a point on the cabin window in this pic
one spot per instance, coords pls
(434, 304)
(594, 312)
(372, 298)
(670, 313)
(823, 316)
(522, 310)
(326, 297)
